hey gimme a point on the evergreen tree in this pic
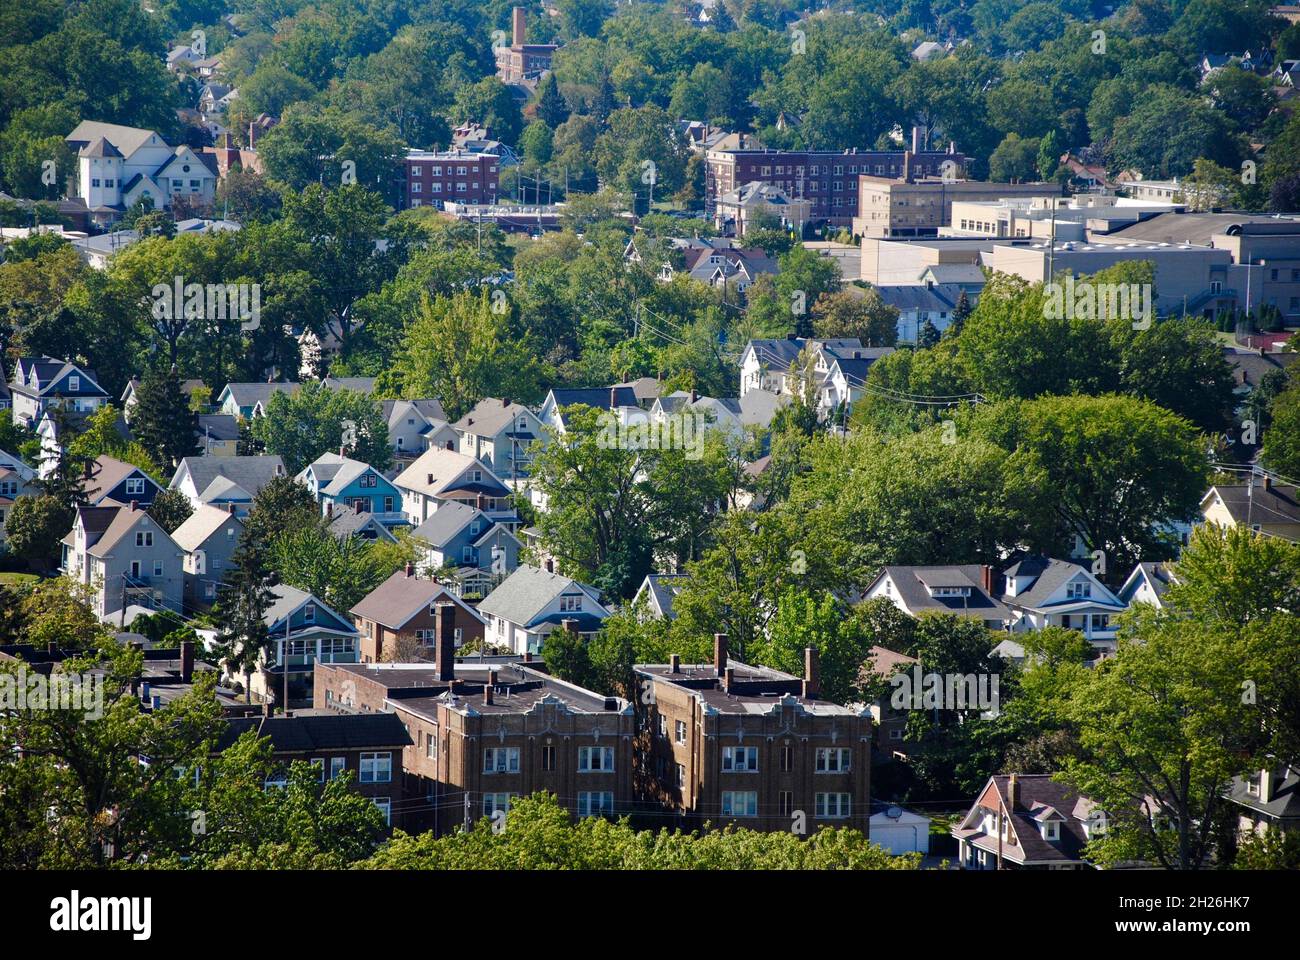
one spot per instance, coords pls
(241, 608)
(603, 104)
(928, 335)
(66, 481)
(162, 420)
(960, 313)
(552, 109)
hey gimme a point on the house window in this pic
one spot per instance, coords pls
(594, 803)
(319, 764)
(740, 803)
(501, 760)
(787, 758)
(385, 806)
(663, 725)
(157, 568)
(135, 485)
(430, 746)
(337, 765)
(376, 768)
(496, 802)
(834, 759)
(740, 759)
(1051, 830)
(570, 604)
(144, 538)
(833, 806)
(596, 759)
(548, 758)
(309, 613)
(787, 803)
(1079, 589)
(681, 731)
(681, 775)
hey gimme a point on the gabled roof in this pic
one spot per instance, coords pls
(99, 148)
(601, 398)
(1157, 576)
(490, 416)
(436, 472)
(203, 523)
(49, 371)
(1039, 798)
(17, 465)
(522, 596)
(349, 523)
(662, 588)
(334, 473)
(395, 411)
(1051, 575)
(911, 583)
(106, 473)
(250, 473)
(217, 426)
(445, 522)
(126, 139)
(1257, 505)
(286, 602)
(120, 522)
(251, 394)
(399, 598)
(884, 661)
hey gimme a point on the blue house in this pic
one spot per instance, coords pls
(341, 484)
(109, 480)
(314, 633)
(464, 539)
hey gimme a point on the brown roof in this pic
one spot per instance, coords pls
(885, 661)
(399, 598)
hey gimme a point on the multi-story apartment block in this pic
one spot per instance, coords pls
(728, 742)
(520, 60)
(432, 177)
(827, 179)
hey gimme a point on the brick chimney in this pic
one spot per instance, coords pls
(1268, 482)
(428, 477)
(329, 508)
(187, 660)
(357, 506)
(135, 505)
(1013, 792)
(674, 663)
(481, 502)
(729, 679)
(517, 23)
(613, 397)
(230, 508)
(570, 625)
(487, 694)
(811, 674)
(550, 565)
(410, 569)
(720, 653)
(444, 654)
(986, 579)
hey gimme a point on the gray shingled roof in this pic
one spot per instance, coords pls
(249, 473)
(522, 595)
(910, 582)
(445, 522)
(399, 598)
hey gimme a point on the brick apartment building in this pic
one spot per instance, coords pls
(828, 179)
(432, 177)
(521, 60)
(728, 742)
(398, 620)
(485, 731)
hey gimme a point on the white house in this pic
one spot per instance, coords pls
(440, 476)
(532, 602)
(1042, 592)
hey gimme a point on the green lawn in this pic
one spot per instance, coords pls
(13, 578)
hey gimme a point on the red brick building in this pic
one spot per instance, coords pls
(521, 60)
(432, 177)
(399, 619)
(828, 179)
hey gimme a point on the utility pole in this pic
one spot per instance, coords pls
(288, 623)
(468, 818)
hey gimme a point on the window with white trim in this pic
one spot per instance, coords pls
(501, 760)
(376, 768)
(596, 759)
(385, 805)
(834, 759)
(833, 806)
(740, 803)
(595, 803)
(740, 759)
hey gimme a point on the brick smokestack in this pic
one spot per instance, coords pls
(187, 660)
(570, 625)
(444, 653)
(720, 653)
(517, 22)
(729, 679)
(811, 674)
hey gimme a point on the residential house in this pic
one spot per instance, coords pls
(532, 602)
(657, 592)
(249, 400)
(498, 433)
(1030, 822)
(967, 590)
(399, 619)
(208, 539)
(340, 484)
(118, 166)
(1267, 507)
(40, 383)
(1268, 800)
(111, 481)
(839, 367)
(220, 481)
(126, 557)
(1042, 592)
(416, 425)
(917, 303)
(889, 723)
(726, 742)
(1148, 583)
(621, 400)
(474, 552)
(16, 479)
(357, 523)
(368, 747)
(440, 476)
(128, 400)
(735, 211)
(315, 634)
(217, 435)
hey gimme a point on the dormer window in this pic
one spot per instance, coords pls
(570, 604)
(1052, 830)
(950, 591)
(1252, 784)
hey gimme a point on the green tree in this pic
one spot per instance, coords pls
(1282, 438)
(856, 313)
(240, 610)
(313, 420)
(161, 418)
(35, 527)
(170, 509)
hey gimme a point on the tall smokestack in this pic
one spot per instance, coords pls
(444, 653)
(517, 21)
(916, 139)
